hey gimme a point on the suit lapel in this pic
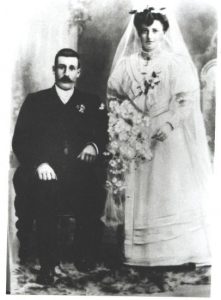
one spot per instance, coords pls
(76, 97)
(54, 96)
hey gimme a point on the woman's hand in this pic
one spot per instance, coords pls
(162, 133)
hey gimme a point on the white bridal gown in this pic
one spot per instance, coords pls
(166, 197)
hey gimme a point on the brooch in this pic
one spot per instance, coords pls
(81, 108)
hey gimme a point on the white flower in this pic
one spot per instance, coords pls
(114, 180)
(119, 183)
(129, 140)
(114, 145)
(114, 106)
(120, 126)
(123, 136)
(125, 114)
(113, 163)
(138, 146)
(137, 119)
(81, 108)
(101, 107)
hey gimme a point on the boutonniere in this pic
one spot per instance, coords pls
(81, 108)
(101, 107)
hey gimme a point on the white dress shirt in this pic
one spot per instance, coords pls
(64, 95)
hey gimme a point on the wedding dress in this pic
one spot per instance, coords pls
(165, 197)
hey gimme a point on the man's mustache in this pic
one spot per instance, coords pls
(65, 79)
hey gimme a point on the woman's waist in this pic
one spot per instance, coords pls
(160, 117)
(157, 110)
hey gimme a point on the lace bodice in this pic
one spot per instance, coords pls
(177, 84)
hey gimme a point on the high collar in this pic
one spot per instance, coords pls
(149, 55)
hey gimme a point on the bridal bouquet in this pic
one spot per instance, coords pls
(129, 140)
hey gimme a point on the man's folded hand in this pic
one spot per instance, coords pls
(88, 154)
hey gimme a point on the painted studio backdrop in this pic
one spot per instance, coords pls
(94, 28)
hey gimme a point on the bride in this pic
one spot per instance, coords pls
(165, 197)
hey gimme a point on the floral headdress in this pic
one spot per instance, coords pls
(150, 10)
(148, 15)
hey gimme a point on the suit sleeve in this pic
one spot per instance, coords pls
(100, 134)
(25, 142)
(21, 142)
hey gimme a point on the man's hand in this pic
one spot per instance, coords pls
(88, 154)
(162, 133)
(45, 172)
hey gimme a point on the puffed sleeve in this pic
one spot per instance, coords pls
(184, 86)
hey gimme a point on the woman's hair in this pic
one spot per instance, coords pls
(147, 17)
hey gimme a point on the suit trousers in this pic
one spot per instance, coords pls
(78, 191)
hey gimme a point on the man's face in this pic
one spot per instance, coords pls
(151, 36)
(66, 72)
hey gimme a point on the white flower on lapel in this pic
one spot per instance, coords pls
(102, 106)
(81, 108)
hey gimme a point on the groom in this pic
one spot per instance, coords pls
(59, 139)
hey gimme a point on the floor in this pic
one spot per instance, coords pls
(110, 277)
(114, 281)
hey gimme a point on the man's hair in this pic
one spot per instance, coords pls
(68, 52)
(147, 17)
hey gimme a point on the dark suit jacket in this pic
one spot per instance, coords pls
(49, 131)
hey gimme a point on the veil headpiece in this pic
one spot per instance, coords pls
(130, 41)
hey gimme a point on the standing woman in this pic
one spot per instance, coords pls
(165, 196)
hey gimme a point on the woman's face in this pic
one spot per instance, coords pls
(151, 36)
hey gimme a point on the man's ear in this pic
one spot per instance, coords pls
(79, 72)
(53, 69)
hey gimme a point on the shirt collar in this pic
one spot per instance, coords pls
(64, 95)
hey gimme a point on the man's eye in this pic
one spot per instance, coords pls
(61, 67)
(72, 68)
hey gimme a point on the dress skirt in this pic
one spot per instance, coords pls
(166, 201)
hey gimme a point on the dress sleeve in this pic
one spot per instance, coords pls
(184, 86)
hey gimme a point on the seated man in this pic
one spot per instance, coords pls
(59, 139)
